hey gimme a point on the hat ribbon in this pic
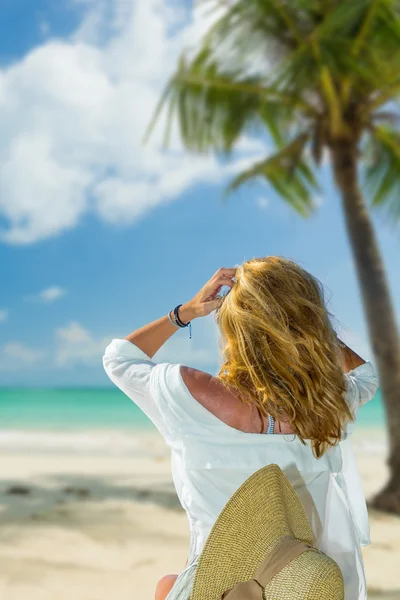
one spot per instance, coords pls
(287, 550)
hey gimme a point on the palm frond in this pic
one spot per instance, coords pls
(288, 173)
(284, 66)
(382, 174)
(333, 102)
(391, 92)
(367, 24)
(165, 97)
(345, 19)
(262, 19)
(388, 34)
(214, 107)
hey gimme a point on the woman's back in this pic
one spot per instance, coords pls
(212, 457)
(227, 405)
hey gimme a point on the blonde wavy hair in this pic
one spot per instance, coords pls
(281, 352)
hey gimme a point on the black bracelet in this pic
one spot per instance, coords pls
(180, 323)
(177, 319)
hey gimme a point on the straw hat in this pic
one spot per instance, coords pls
(260, 548)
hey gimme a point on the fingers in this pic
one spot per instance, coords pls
(215, 286)
(224, 273)
(222, 282)
(223, 277)
(216, 303)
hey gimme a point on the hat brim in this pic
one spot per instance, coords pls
(262, 511)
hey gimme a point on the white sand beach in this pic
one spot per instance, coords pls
(100, 527)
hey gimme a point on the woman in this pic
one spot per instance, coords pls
(284, 372)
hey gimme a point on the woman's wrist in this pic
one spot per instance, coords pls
(187, 313)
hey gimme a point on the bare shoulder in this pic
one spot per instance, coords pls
(198, 382)
(213, 395)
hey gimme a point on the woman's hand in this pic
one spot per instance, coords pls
(206, 300)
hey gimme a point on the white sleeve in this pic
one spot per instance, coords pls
(156, 388)
(361, 386)
(133, 372)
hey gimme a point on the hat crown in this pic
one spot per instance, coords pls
(317, 576)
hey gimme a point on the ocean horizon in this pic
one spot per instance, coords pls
(102, 420)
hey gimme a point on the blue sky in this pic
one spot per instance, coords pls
(99, 235)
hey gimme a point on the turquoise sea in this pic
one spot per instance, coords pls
(86, 420)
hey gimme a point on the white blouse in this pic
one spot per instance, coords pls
(210, 459)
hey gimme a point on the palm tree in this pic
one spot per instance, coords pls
(316, 76)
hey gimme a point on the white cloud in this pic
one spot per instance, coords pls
(48, 295)
(73, 114)
(17, 355)
(3, 315)
(76, 345)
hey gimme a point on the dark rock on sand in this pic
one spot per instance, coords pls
(18, 490)
(81, 492)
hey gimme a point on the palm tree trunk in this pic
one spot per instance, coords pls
(379, 310)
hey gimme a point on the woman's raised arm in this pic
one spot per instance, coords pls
(350, 359)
